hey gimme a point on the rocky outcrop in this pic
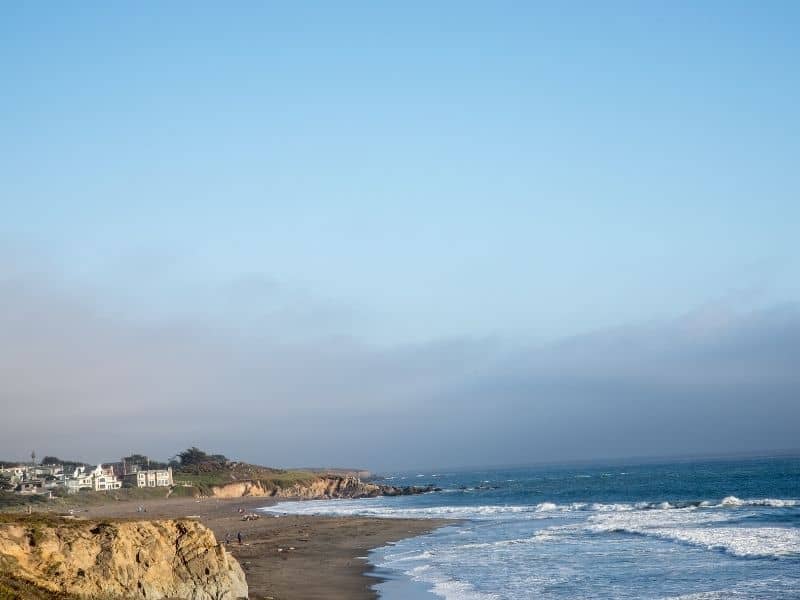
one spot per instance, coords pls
(329, 486)
(391, 490)
(338, 486)
(132, 559)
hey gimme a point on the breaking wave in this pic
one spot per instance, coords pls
(673, 531)
(380, 507)
(712, 530)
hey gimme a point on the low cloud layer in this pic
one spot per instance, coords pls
(82, 380)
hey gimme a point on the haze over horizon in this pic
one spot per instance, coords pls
(395, 237)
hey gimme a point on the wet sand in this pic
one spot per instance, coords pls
(328, 556)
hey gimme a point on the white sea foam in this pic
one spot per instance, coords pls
(390, 508)
(516, 550)
(428, 574)
(739, 541)
(406, 557)
(694, 527)
(712, 595)
(372, 507)
(445, 587)
(616, 507)
(499, 543)
(638, 521)
(378, 507)
(729, 501)
(542, 535)
(772, 587)
(459, 590)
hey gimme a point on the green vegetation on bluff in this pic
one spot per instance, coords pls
(13, 588)
(194, 473)
(10, 500)
(18, 503)
(203, 471)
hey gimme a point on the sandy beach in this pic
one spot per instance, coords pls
(288, 557)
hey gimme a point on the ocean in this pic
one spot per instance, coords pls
(689, 530)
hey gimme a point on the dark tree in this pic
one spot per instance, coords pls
(143, 461)
(193, 456)
(195, 460)
(69, 465)
(135, 459)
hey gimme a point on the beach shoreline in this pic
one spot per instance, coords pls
(289, 557)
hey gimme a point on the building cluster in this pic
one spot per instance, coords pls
(53, 478)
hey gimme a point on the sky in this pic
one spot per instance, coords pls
(358, 234)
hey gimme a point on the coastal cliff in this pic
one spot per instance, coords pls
(202, 474)
(62, 558)
(328, 486)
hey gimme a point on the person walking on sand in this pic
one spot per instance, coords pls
(228, 538)
(239, 537)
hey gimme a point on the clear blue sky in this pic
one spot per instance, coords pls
(464, 168)
(408, 173)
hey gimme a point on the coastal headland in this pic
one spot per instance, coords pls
(283, 558)
(287, 557)
(205, 503)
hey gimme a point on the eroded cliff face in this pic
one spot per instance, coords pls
(322, 487)
(329, 486)
(347, 486)
(134, 559)
(239, 489)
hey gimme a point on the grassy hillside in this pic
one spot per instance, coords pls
(219, 474)
(11, 501)
(201, 471)
(195, 474)
(16, 503)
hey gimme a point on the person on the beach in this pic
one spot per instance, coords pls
(239, 537)
(227, 538)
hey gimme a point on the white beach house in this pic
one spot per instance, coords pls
(150, 478)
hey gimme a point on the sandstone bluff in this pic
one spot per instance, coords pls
(61, 558)
(47, 558)
(348, 486)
